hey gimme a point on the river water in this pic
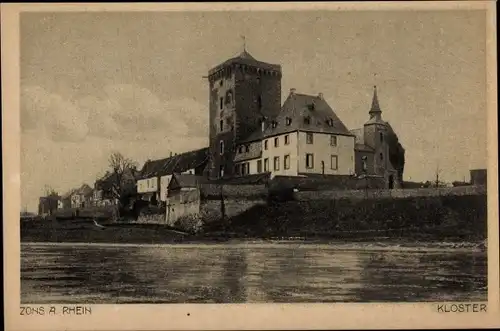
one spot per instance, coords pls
(250, 272)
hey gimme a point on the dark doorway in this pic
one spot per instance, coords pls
(391, 182)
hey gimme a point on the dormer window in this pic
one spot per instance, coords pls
(330, 122)
(247, 148)
(274, 124)
(288, 121)
(312, 106)
(307, 120)
(240, 150)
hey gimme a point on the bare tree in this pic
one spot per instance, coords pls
(49, 191)
(121, 177)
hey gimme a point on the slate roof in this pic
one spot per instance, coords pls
(247, 59)
(85, 190)
(186, 180)
(296, 110)
(174, 164)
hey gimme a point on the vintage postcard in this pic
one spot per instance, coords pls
(250, 166)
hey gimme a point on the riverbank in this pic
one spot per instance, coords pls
(417, 219)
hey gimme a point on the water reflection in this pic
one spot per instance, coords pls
(250, 273)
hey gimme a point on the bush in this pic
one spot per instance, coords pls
(190, 224)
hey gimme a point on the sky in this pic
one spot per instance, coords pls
(98, 82)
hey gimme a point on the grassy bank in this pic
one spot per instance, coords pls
(458, 218)
(446, 218)
(85, 230)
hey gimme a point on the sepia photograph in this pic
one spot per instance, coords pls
(232, 156)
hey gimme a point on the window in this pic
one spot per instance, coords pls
(309, 138)
(286, 161)
(259, 166)
(307, 120)
(221, 171)
(265, 145)
(229, 97)
(276, 142)
(240, 150)
(244, 168)
(381, 137)
(259, 102)
(333, 140)
(330, 122)
(221, 82)
(287, 139)
(309, 161)
(288, 121)
(247, 148)
(221, 147)
(335, 162)
(266, 165)
(276, 163)
(237, 168)
(381, 157)
(274, 124)
(221, 125)
(221, 103)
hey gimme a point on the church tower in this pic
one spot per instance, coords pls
(375, 135)
(243, 91)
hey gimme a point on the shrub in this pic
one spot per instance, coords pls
(189, 223)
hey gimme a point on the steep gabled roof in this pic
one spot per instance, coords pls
(185, 180)
(304, 113)
(85, 190)
(175, 164)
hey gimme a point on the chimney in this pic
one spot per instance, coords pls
(292, 91)
(320, 96)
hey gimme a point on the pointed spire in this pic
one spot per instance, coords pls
(375, 109)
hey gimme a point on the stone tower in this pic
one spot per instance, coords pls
(243, 91)
(376, 137)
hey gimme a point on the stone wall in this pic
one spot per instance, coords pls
(395, 193)
(324, 182)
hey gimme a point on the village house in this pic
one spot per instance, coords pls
(66, 199)
(82, 197)
(251, 133)
(154, 178)
(197, 200)
(105, 193)
(48, 205)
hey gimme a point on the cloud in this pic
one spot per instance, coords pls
(50, 114)
(67, 142)
(121, 111)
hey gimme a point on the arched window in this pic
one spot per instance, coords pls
(229, 97)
